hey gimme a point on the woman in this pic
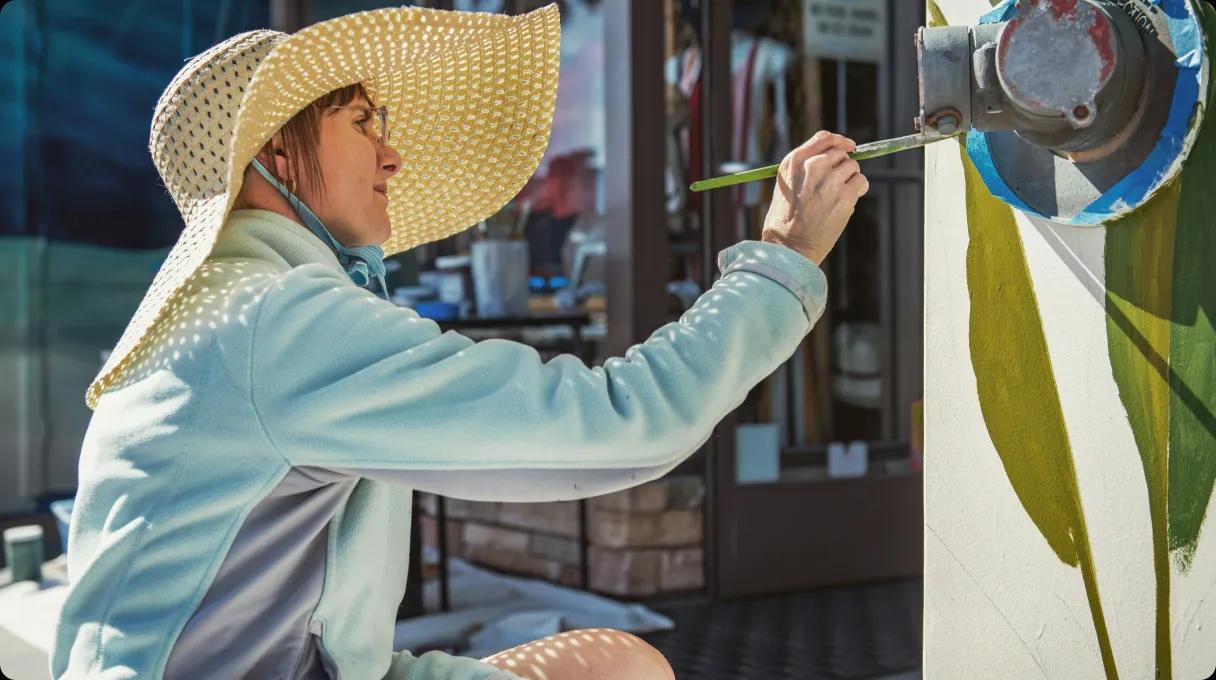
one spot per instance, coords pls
(245, 482)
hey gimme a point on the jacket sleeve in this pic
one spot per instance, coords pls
(344, 381)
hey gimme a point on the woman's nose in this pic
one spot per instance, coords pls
(390, 160)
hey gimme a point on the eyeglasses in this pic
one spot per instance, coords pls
(378, 117)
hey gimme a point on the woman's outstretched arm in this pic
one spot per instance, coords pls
(345, 381)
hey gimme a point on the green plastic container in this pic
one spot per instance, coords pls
(23, 552)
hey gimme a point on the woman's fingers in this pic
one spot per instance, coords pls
(858, 185)
(819, 184)
(820, 143)
(831, 167)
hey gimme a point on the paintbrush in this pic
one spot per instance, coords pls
(882, 147)
(522, 222)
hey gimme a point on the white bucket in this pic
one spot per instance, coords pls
(500, 277)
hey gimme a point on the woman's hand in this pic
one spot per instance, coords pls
(817, 188)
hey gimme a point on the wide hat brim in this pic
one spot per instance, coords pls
(470, 98)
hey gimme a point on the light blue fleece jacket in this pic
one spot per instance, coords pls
(244, 498)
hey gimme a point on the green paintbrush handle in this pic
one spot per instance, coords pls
(862, 152)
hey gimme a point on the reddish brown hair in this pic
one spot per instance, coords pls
(302, 133)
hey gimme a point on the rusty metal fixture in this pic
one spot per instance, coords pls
(1065, 74)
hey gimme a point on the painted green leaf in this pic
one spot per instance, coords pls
(1139, 258)
(1017, 389)
(1192, 353)
(1160, 304)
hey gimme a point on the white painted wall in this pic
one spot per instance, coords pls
(998, 603)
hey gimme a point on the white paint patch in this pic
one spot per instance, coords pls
(1193, 606)
(1067, 269)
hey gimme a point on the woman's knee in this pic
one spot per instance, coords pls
(627, 656)
(590, 654)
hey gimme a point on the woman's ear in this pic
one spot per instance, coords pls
(280, 158)
(273, 157)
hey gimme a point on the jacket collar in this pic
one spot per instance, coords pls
(267, 235)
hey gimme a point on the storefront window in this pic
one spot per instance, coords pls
(798, 66)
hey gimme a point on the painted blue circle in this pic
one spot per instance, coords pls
(1153, 172)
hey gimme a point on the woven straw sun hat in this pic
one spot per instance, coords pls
(470, 98)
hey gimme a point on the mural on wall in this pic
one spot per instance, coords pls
(1092, 361)
(1017, 391)
(1161, 301)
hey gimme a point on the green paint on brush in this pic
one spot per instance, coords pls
(1017, 389)
(1192, 353)
(1139, 257)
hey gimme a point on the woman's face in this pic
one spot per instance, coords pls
(356, 167)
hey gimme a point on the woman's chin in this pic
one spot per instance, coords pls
(383, 229)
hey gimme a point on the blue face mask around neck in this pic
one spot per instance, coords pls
(362, 263)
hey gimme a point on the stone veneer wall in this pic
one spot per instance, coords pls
(642, 542)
